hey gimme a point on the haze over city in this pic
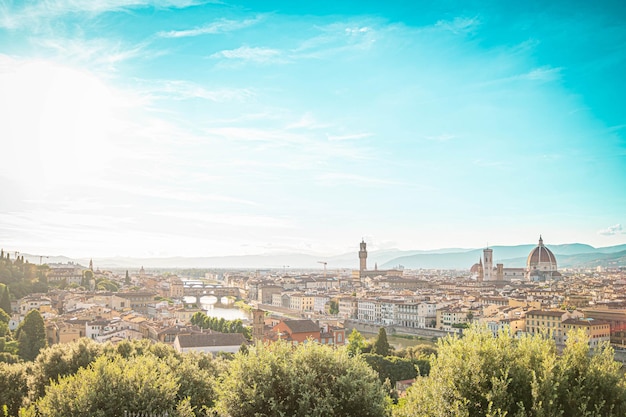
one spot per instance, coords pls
(195, 128)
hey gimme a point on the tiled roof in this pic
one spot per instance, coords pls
(545, 313)
(302, 326)
(214, 339)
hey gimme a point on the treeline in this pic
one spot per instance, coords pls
(475, 376)
(21, 277)
(26, 342)
(221, 325)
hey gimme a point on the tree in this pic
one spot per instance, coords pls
(395, 369)
(127, 279)
(356, 343)
(481, 375)
(111, 386)
(333, 308)
(13, 388)
(86, 279)
(5, 299)
(381, 344)
(62, 360)
(31, 335)
(308, 380)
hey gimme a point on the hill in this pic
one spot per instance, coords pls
(568, 255)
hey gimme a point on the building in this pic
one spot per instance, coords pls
(363, 272)
(209, 342)
(305, 331)
(597, 331)
(541, 264)
(177, 288)
(549, 323)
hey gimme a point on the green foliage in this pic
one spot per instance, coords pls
(220, 324)
(135, 376)
(111, 386)
(417, 352)
(395, 369)
(21, 279)
(5, 302)
(334, 307)
(61, 360)
(13, 387)
(104, 284)
(31, 336)
(356, 343)
(381, 344)
(308, 380)
(480, 375)
(4, 328)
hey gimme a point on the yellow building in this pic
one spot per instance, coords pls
(597, 331)
(549, 323)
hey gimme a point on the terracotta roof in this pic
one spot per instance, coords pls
(586, 322)
(540, 254)
(206, 340)
(546, 313)
(302, 326)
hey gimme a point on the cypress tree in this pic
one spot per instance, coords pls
(5, 299)
(381, 345)
(31, 336)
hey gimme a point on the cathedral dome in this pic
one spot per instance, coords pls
(541, 259)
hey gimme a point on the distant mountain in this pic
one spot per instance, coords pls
(568, 255)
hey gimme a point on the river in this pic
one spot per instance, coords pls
(225, 309)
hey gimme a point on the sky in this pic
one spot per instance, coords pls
(154, 128)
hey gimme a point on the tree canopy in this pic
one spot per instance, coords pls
(381, 344)
(31, 335)
(308, 380)
(480, 375)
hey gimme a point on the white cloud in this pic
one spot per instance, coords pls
(94, 53)
(616, 229)
(246, 53)
(459, 25)
(33, 12)
(542, 74)
(240, 220)
(185, 90)
(220, 26)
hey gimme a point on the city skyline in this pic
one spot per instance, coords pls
(196, 128)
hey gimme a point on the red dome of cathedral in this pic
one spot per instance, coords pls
(541, 259)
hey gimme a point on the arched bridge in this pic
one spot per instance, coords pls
(218, 292)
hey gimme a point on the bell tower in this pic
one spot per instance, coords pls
(363, 256)
(258, 324)
(488, 268)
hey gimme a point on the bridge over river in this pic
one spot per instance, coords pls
(199, 291)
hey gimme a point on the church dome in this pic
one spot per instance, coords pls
(541, 258)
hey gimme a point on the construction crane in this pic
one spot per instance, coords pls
(325, 263)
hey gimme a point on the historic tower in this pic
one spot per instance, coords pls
(363, 256)
(258, 324)
(488, 272)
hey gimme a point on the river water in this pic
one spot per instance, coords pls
(225, 309)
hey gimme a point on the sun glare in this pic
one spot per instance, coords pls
(60, 125)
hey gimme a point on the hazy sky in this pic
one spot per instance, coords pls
(184, 127)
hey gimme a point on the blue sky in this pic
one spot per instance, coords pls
(182, 127)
